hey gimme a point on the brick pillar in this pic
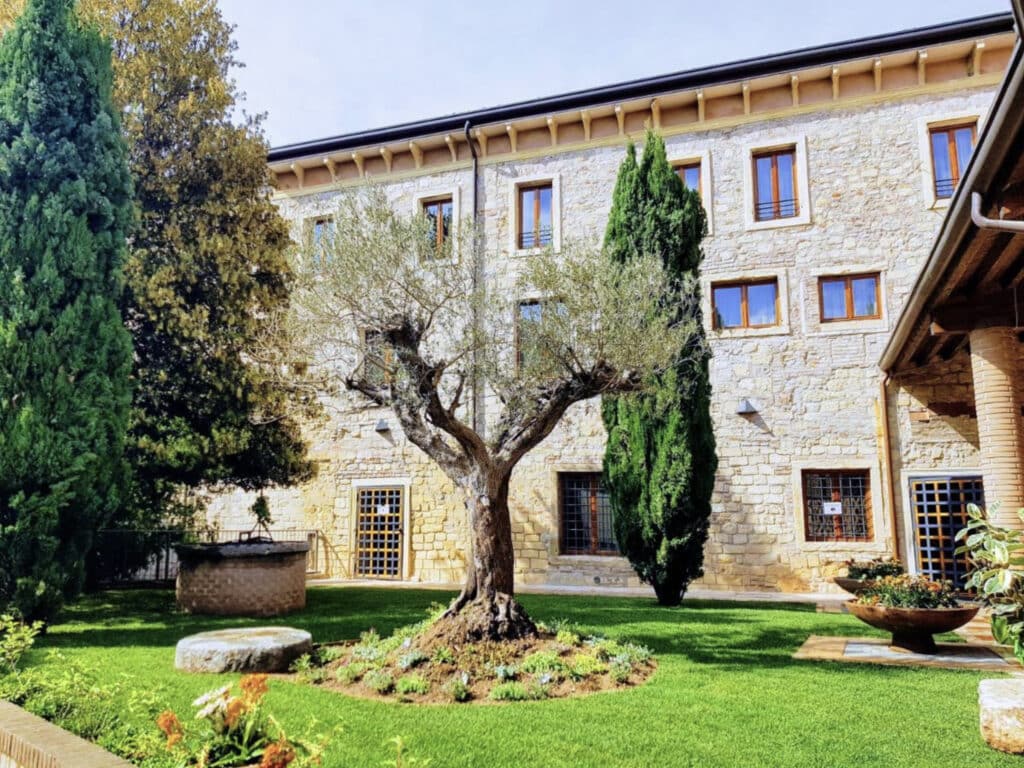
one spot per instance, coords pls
(996, 364)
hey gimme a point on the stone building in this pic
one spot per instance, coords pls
(826, 174)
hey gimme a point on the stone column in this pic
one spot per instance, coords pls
(996, 365)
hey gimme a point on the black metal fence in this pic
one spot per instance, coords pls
(139, 557)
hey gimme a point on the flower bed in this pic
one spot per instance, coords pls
(560, 662)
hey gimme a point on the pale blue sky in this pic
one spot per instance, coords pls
(321, 68)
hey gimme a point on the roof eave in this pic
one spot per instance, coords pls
(634, 89)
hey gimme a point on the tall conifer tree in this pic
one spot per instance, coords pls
(660, 461)
(65, 355)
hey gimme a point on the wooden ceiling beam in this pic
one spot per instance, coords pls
(990, 310)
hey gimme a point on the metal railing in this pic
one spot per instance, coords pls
(132, 556)
(776, 209)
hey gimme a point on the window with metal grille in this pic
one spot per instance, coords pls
(379, 533)
(940, 510)
(952, 147)
(837, 505)
(535, 228)
(585, 514)
(439, 218)
(775, 193)
(850, 297)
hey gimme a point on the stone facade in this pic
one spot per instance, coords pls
(816, 387)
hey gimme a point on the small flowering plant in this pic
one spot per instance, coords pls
(239, 731)
(909, 592)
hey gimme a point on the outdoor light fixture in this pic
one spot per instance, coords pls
(746, 408)
(382, 426)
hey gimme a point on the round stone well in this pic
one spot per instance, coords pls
(242, 578)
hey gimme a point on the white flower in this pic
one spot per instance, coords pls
(220, 693)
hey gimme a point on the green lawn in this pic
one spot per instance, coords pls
(726, 692)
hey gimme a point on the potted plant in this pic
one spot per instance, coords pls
(861, 574)
(912, 608)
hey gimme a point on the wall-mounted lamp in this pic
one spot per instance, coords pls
(382, 426)
(746, 408)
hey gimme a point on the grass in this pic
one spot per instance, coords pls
(726, 692)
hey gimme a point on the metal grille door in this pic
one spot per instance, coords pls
(379, 533)
(940, 510)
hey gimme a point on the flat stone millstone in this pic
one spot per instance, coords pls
(250, 649)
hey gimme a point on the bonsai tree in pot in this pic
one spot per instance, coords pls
(912, 608)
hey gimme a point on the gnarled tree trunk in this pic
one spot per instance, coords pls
(486, 609)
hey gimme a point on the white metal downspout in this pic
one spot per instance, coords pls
(983, 222)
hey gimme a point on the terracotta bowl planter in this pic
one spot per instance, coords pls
(853, 586)
(912, 628)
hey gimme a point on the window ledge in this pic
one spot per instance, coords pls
(846, 327)
(789, 221)
(746, 333)
(568, 559)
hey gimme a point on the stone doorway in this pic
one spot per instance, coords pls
(939, 507)
(379, 533)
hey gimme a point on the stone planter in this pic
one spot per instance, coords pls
(242, 579)
(912, 628)
(853, 586)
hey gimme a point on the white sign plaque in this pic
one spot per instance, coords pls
(833, 508)
(383, 509)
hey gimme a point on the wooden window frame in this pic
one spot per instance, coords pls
(744, 285)
(776, 202)
(521, 190)
(595, 545)
(439, 238)
(681, 168)
(848, 297)
(869, 510)
(954, 160)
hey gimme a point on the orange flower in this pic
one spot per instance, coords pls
(169, 723)
(235, 709)
(278, 755)
(253, 686)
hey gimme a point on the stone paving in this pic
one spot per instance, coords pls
(976, 656)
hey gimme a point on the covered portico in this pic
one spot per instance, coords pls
(966, 310)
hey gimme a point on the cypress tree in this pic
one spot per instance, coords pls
(65, 355)
(660, 460)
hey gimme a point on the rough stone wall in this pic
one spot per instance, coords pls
(815, 386)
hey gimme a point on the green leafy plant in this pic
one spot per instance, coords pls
(506, 672)
(909, 592)
(351, 672)
(458, 688)
(543, 662)
(378, 680)
(16, 639)
(584, 665)
(515, 691)
(997, 556)
(412, 684)
(443, 655)
(865, 570)
(411, 659)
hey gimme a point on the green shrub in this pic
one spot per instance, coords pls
(378, 680)
(513, 691)
(584, 665)
(443, 655)
(16, 639)
(458, 688)
(412, 659)
(997, 554)
(351, 672)
(412, 684)
(620, 669)
(606, 650)
(909, 592)
(864, 570)
(567, 637)
(307, 671)
(506, 672)
(543, 662)
(325, 654)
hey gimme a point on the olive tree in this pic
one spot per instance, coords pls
(429, 332)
